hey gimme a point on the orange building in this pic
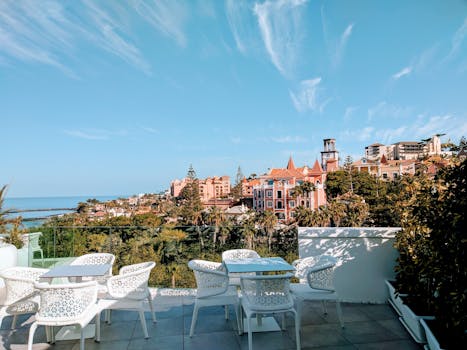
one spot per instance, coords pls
(275, 190)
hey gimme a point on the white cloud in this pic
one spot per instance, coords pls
(349, 111)
(150, 130)
(392, 135)
(361, 135)
(335, 45)
(167, 16)
(404, 71)
(289, 139)
(237, 13)
(458, 39)
(94, 134)
(307, 96)
(282, 32)
(385, 110)
(236, 140)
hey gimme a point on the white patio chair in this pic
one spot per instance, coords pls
(31, 242)
(21, 297)
(316, 276)
(128, 290)
(267, 294)
(213, 289)
(66, 304)
(234, 278)
(95, 259)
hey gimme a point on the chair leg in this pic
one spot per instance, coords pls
(143, 323)
(226, 309)
(299, 313)
(13, 323)
(151, 306)
(283, 321)
(297, 330)
(193, 319)
(98, 328)
(108, 316)
(32, 330)
(238, 314)
(250, 335)
(325, 310)
(339, 313)
(81, 339)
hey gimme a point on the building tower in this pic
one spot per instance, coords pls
(330, 156)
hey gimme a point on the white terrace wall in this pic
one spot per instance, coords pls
(366, 258)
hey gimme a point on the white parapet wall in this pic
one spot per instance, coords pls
(366, 258)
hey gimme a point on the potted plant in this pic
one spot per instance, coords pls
(432, 254)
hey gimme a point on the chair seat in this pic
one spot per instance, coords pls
(227, 298)
(302, 290)
(82, 321)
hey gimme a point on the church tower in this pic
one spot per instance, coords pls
(330, 156)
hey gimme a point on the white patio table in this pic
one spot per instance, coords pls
(78, 271)
(260, 265)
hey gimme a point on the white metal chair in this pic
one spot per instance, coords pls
(128, 290)
(66, 304)
(234, 278)
(95, 259)
(316, 276)
(31, 242)
(267, 294)
(213, 289)
(21, 297)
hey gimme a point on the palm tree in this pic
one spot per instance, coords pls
(4, 220)
(216, 218)
(268, 221)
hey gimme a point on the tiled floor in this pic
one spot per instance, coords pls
(366, 327)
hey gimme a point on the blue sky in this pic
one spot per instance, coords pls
(120, 97)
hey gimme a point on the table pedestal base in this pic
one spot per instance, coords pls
(73, 332)
(267, 324)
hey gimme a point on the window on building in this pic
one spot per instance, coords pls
(395, 175)
(269, 193)
(307, 204)
(385, 175)
(269, 204)
(279, 194)
(279, 205)
(280, 216)
(292, 204)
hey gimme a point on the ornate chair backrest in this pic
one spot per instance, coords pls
(317, 271)
(94, 259)
(19, 282)
(211, 277)
(63, 303)
(131, 282)
(267, 292)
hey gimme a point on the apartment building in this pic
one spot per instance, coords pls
(386, 169)
(275, 190)
(209, 188)
(404, 150)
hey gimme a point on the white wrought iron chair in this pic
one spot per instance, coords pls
(267, 294)
(213, 289)
(128, 290)
(21, 297)
(234, 278)
(95, 259)
(31, 242)
(66, 304)
(316, 276)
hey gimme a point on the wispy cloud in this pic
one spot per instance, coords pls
(150, 130)
(236, 140)
(349, 112)
(49, 33)
(458, 39)
(307, 98)
(237, 13)
(340, 49)
(404, 71)
(280, 24)
(335, 45)
(289, 139)
(385, 110)
(391, 135)
(94, 134)
(166, 16)
(363, 134)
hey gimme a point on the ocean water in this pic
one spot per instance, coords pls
(28, 203)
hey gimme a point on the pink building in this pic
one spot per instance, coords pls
(209, 188)
(275, 190)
